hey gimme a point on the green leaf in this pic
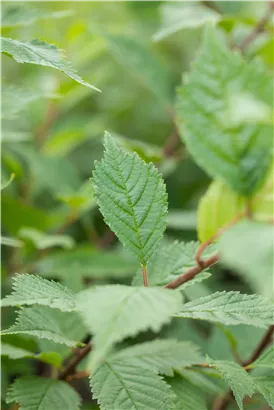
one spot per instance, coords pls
(226, 150)
(42, 240)
(220, 205)
(161, 356)
(81, 199)
(39, 393)
(188, 396)
(231, 308)
(126, 312)
(40, 53)
(42, 322)
(132, 198)
(86, 262)
(170, 261)
(265, 386)
(178, 16)
(124, 386)
(14, 352)
(14, 15)
(32, 289)
(142, 62)
(248, 249)
(240, 382)
(266, 360)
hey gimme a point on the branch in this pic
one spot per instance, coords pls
(259, 28)
(79, 355)
(221, 403)
(192, 272)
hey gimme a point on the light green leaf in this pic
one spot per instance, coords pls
(265, 386)
(266, 360)
(14, 352)
(39, 393)
(16, 243)
(32, 289)
(126, 311)
(71, 327)
(124, 386)
(161, 356)
(170, 261)
(14, 15)
(225, 150)
(81, 200)
(188, 396)
(220, 205)
(240, 382)
(87, 263)
(42, 322)
(248, 249)
(132, 198)
(42, 240)
(178, 16)
(231, 308)
(141, 62)
(40, 53)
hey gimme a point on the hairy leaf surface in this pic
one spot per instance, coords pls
(162, 356)
(40, 53)
(240, 382)
(112, 313)
(40, 393)
(132, 198)
(125, 386)
(42, 322)
(188, 396)
(32, 289)
(231, 308)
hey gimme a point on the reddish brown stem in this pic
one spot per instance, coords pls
(79, 355)
(144, 271)
(192, 272)
(259, 28)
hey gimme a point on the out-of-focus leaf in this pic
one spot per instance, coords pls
(220, 205)
(140, 61)
(23, 15)
(16, 215)
(177, 16)
(86, 262)
(40, 53)
(265, 386)
(42, 240)
(15, 99)
(225, 150)
(81, 200)
(248, 249)
(14, 353)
